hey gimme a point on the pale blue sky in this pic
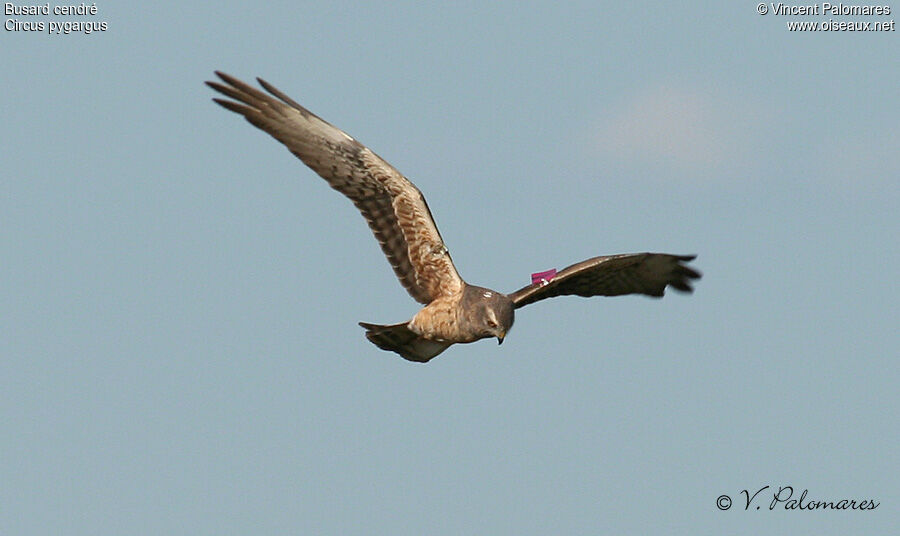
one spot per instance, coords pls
(179, 351)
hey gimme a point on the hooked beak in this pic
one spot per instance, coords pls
(500, 338)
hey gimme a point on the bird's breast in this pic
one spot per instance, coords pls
(441, 320)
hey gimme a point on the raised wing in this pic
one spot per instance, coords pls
(392, 205)
(614, 275)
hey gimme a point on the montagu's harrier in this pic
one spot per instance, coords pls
(454, 311)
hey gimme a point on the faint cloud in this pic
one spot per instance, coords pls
(692, 128)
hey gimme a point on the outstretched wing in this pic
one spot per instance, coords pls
(392, 205)
(614, 275)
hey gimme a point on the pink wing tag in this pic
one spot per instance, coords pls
(542, 278)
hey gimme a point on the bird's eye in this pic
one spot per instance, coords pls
(491, 323)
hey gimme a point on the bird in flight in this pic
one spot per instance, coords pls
(454, 311)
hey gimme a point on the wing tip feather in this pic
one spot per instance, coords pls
(235, 107)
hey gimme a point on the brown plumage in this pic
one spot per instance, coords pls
(396, 211)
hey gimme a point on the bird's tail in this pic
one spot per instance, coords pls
(399, 338)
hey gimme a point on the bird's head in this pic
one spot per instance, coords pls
(490, 313)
